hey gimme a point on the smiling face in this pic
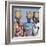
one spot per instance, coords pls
(37, 15)
(17, 14)
(30, 15)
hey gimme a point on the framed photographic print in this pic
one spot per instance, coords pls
(24, 22)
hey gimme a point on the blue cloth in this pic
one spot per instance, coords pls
(28, 26)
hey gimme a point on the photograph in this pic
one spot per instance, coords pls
(25, 22)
